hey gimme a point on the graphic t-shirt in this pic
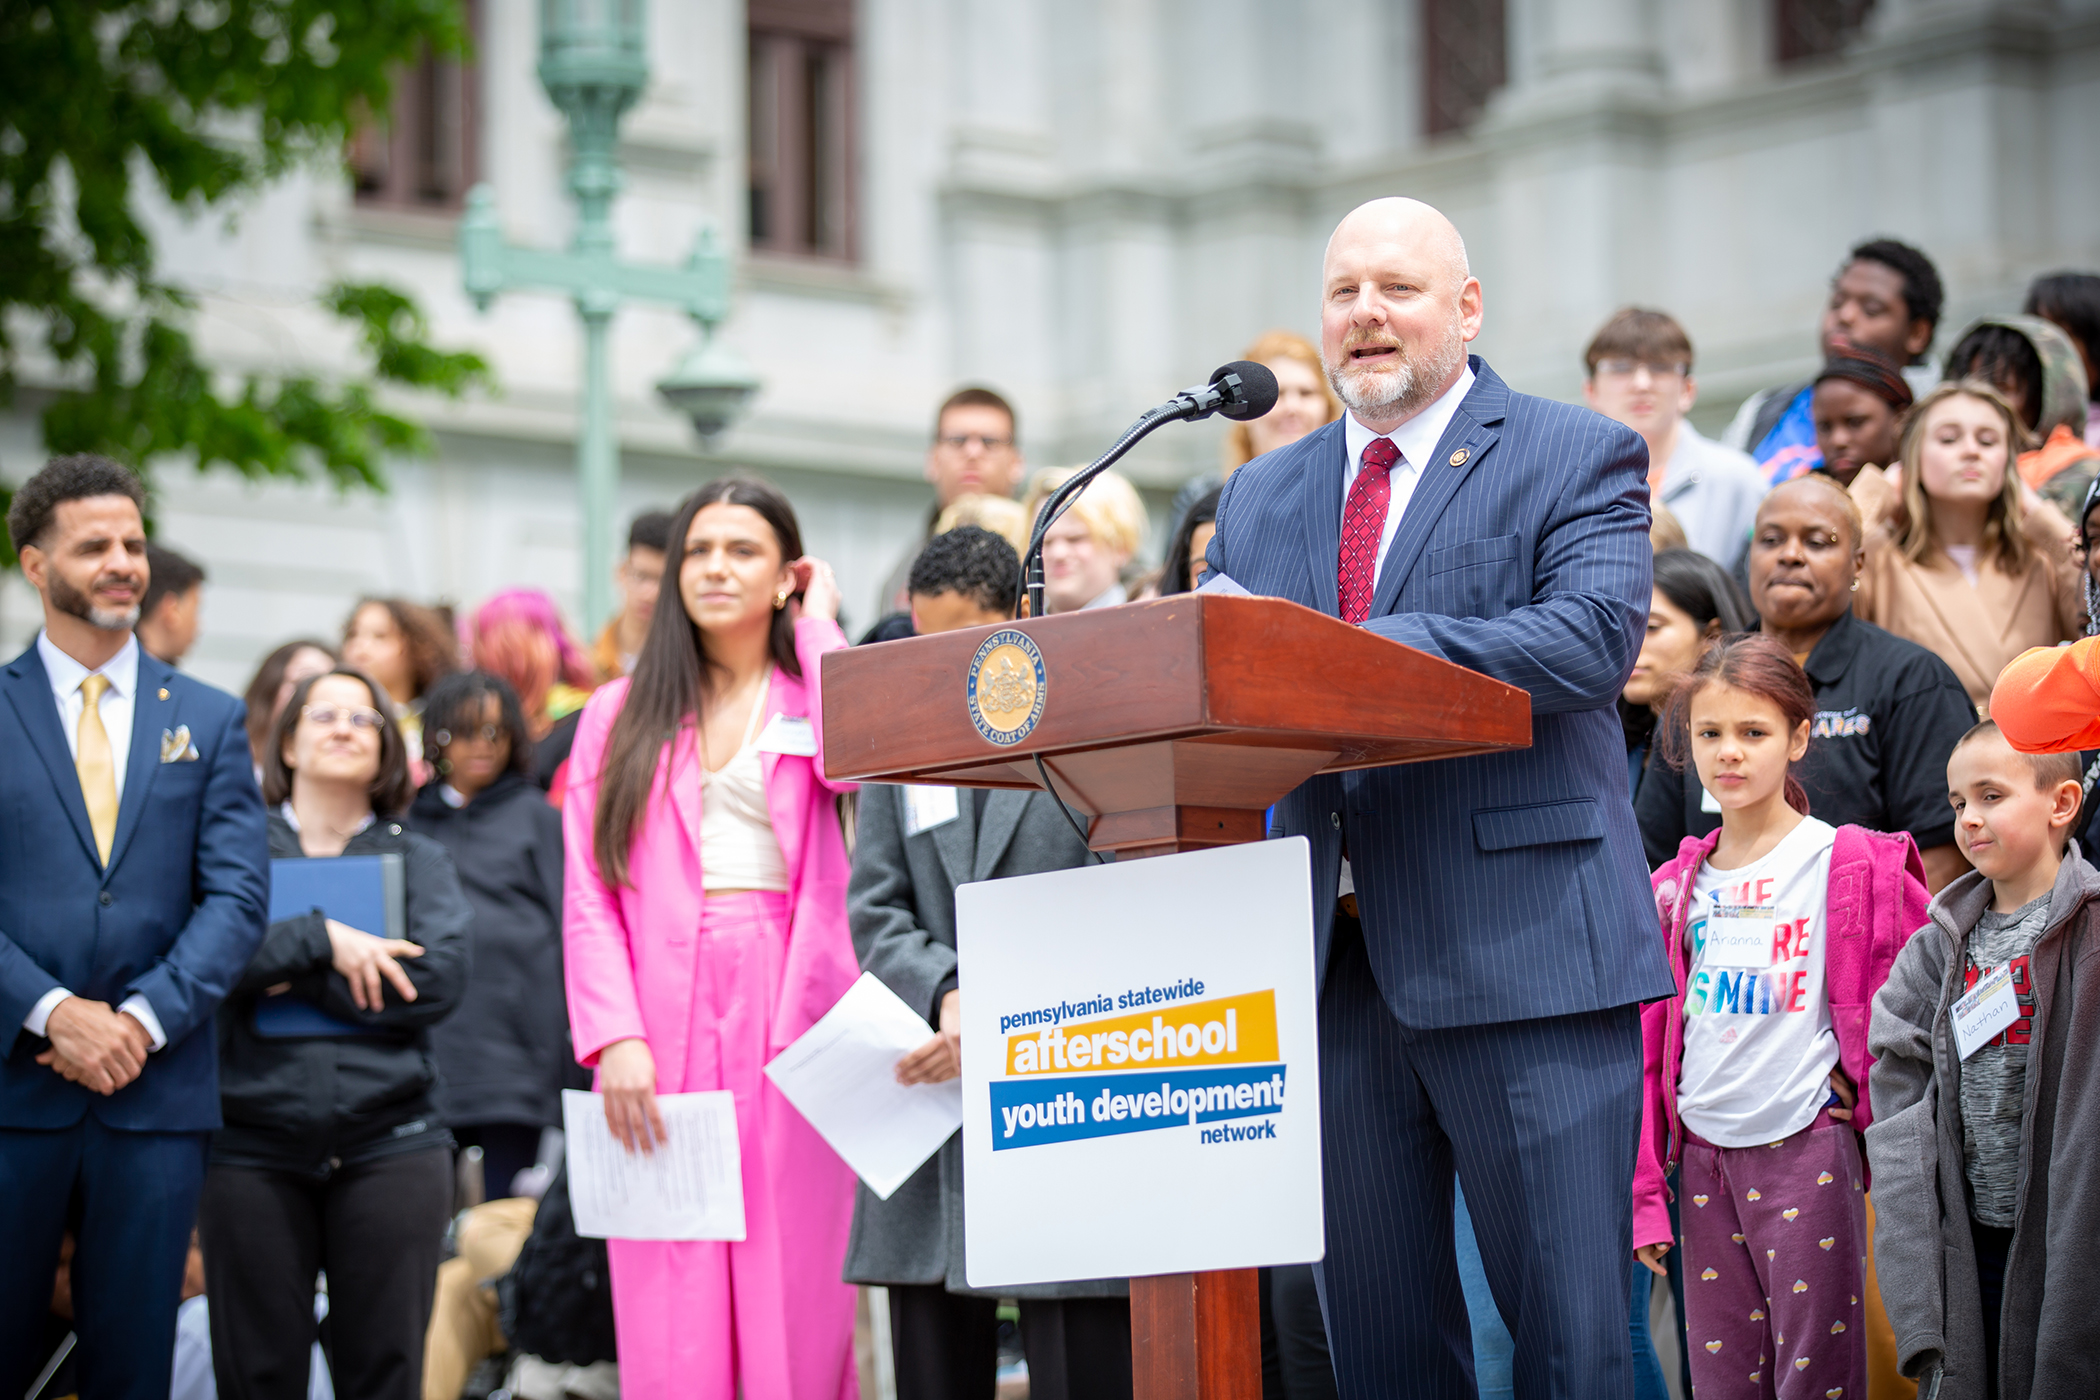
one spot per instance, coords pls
(1758, 1042)
(1994, 1079)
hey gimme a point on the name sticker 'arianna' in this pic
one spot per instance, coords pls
(1739, 936)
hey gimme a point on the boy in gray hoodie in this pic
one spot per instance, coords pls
(1985, 1145)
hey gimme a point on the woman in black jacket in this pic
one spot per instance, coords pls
(502, 1053)
(333, 1156)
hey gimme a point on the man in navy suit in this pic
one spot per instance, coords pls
(134, 877)
(1485, 930)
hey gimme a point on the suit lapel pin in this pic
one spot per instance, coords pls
(163, 692)
(1458, 458)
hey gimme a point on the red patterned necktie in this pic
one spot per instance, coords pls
(1363, 523)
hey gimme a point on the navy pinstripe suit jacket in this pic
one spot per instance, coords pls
(1505, 886)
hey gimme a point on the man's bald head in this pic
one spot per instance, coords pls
(1397, 305)
(1398, 219)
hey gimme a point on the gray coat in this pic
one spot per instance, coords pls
(901, 903)
(1924, 1253)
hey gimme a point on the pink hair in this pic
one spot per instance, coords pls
(519, 636)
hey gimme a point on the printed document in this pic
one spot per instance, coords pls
(690, 1188)
(841, 1076)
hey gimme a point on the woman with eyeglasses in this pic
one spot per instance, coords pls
(704, 930)
(502, 1052)
(333, 1157)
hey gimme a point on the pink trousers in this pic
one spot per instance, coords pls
(698, 1319)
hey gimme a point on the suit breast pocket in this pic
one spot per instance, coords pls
(1475, 578)
(178, 788)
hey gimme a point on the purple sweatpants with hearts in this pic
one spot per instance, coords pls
(1775, 1243)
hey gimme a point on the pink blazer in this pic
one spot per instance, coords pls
(630, 951)
(1876, 902)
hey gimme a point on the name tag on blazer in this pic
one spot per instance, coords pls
(928, 807)
(175, 745)
(789, 734)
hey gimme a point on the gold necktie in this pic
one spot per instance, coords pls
(97, 768)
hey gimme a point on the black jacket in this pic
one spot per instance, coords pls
(313, 1104)
(502, 1051)
(1888, 713)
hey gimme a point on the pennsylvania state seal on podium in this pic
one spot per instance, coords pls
(1006, 687)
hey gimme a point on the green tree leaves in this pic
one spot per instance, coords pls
(200, 102)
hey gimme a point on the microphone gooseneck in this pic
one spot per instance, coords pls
(1241, 390)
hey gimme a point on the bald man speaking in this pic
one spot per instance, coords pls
(1484, 927)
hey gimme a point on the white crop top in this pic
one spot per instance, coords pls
(738, 850)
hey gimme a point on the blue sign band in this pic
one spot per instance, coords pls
(1032, 1111)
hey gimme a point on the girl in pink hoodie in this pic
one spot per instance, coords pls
(1780, 929)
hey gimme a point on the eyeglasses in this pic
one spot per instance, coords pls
(488, 734)
(961, 442)
(329, 716)
(1626, 369)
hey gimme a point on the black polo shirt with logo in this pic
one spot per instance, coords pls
(1888, 714)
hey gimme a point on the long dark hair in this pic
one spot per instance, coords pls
(1757, 665)
(1702, 590)
(1706, 593)
(1174, 578)
(390, 790)
(671, 678)
(455, 703)
(269, 679)
(426, 637)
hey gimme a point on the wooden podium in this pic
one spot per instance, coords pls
(1170, 726)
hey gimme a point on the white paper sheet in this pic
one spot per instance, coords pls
(690, 1188)
(841, 1076)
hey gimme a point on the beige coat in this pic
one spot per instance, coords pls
(1975, 628)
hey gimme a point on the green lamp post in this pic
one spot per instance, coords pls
(593, 65)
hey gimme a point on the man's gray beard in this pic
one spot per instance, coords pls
(1381, 396)
(71, 601)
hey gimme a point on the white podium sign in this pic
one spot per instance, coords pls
(1141, 1089)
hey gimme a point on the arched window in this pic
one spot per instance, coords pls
(1817, 28)
(802, 125)
(424, 154)
(1465, 57)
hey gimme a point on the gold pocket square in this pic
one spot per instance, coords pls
(175, 745)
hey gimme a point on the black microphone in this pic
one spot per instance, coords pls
(1241, 390)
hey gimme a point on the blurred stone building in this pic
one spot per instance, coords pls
(1087, 205)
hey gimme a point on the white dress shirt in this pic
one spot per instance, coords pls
(1417, 439)
(119, 704)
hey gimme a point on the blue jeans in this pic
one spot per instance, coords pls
(1494, 1353)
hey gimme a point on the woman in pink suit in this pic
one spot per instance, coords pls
(705, 928)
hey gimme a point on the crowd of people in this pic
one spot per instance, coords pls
(258, 1151)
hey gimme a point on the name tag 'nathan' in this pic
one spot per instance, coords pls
(1739, 936)
(1984, 1010)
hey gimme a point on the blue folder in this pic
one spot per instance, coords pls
(365, 892)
